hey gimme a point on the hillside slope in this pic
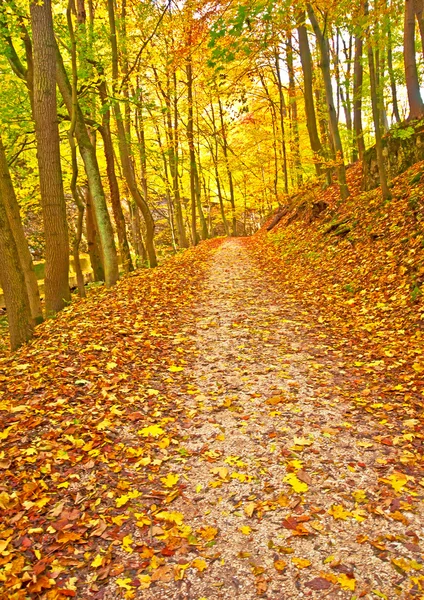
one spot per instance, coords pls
(359, 266)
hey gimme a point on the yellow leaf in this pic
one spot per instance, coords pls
(170, 480)
(172, 517)
(360, 496)
(199, 564)
(337, 511)
(97, 562)
(124, 583)
(104, 425)
(4, 544)
(208, 533)
(299, 486)
(249, 508)
(122, 500)
(301, 563)
(175, 369)
(65, 485)
(145, 581)
(280, 565)
(302, 441)
(199, 487)
(5, 433)
(127, 542)
(245, 529)
(118, 520)
(346, 583)
(397, 481)
(111, 365)
(151, 430)
(221, 471)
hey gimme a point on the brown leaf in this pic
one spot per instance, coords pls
(319, 583)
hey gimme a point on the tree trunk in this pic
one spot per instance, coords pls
(392, 75)
(92, 236)
(56, 283)
(419, 11)
(227, 164)
(358, 74)
(416, 105)
(124, 150)
(376, 117)
(334, 128)
(215, 158)
(282, 110)
(115, 196)
(8, 195)
(88, 155)
(293, 112)
(13, 283)
(311, 121)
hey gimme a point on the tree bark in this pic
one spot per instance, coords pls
(53, 206)
(392, 75)
(334, 128)
(293, 112)
(311, 121)
(376, 114)
(124, 150)
(13, 284)
(88, 155)
(358, 75)
(10, 202)
(92, 237)
(227, 164)
(416, 105)
(115, 196)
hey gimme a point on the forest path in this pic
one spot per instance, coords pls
(284, 475)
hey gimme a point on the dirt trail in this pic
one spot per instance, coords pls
(275, 447)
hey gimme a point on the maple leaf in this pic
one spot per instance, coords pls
(300, 563)
(337, 511)
(208, 533)
(245, 529)
(170, 480)
(299, 486)
(175, 369)
(97, 562)
(127, 542)
(199, 564)
(346, 583)
(151, 430)
(173, 517)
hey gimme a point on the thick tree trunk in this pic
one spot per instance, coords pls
(88, 155)
(334, 128)
(416, 105)
(311, 121)
(8, 195)
(56, 283)
(13, 284)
